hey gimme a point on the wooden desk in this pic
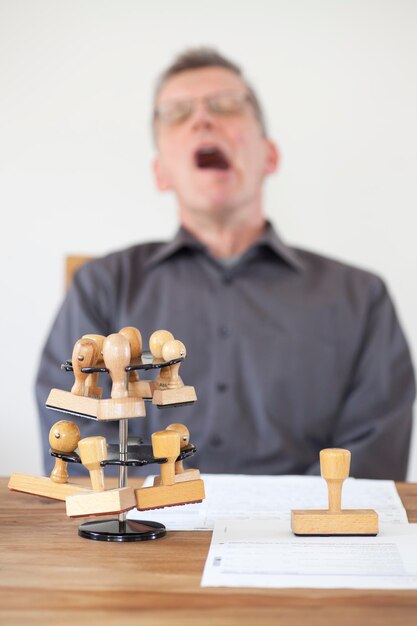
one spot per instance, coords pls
(50, 575)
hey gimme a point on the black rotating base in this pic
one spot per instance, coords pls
(114, 530)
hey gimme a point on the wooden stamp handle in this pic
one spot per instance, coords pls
(63, 437)
(93, 450)
(84, 354)
(166, 444)
(157, 341)
(91, 383)
(174, 349)
(335, 465)
(116, 353)
(184, 434)
(99, 339)
(133, 335)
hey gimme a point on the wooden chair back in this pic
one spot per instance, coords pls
(72, 263)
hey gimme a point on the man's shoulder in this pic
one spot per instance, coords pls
(337, 273)
(138, 254)
(118, 264)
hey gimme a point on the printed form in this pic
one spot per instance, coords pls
(257, 497)
(264, 553)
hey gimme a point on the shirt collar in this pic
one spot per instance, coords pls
(182, 240)
(185, 240)
(270, 239)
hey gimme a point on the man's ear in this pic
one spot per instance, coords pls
(162, 180)
(272, 157)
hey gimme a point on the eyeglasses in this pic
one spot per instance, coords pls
(225, 103)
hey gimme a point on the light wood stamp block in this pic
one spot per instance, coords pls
(45, 487)
(166, 444)
(169, 388)
(140, 388)
(189, 492)
(63, 437)
(137, 387)
(187, 474)
(335, 464)
(101, 503)
(166, 397)
(181, 474)
(105, 409)
(116, 353)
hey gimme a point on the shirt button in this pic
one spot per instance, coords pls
(216, 441)
(222, 387)
(227, 279)
(224, 331)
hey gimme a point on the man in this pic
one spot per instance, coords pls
(289, 352)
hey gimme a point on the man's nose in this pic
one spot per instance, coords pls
(201, 116)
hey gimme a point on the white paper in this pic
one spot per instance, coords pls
(264, 553)
(239, 496)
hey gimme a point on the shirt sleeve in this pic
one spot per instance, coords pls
(81, 312)
(375, 417)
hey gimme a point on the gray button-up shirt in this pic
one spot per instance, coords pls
(289, 352)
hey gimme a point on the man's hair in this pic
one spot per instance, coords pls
(197, 58)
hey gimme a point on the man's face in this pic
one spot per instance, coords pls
(214, 160)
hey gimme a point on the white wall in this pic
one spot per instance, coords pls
(338, 82)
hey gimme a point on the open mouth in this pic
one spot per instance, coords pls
(211, 157)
